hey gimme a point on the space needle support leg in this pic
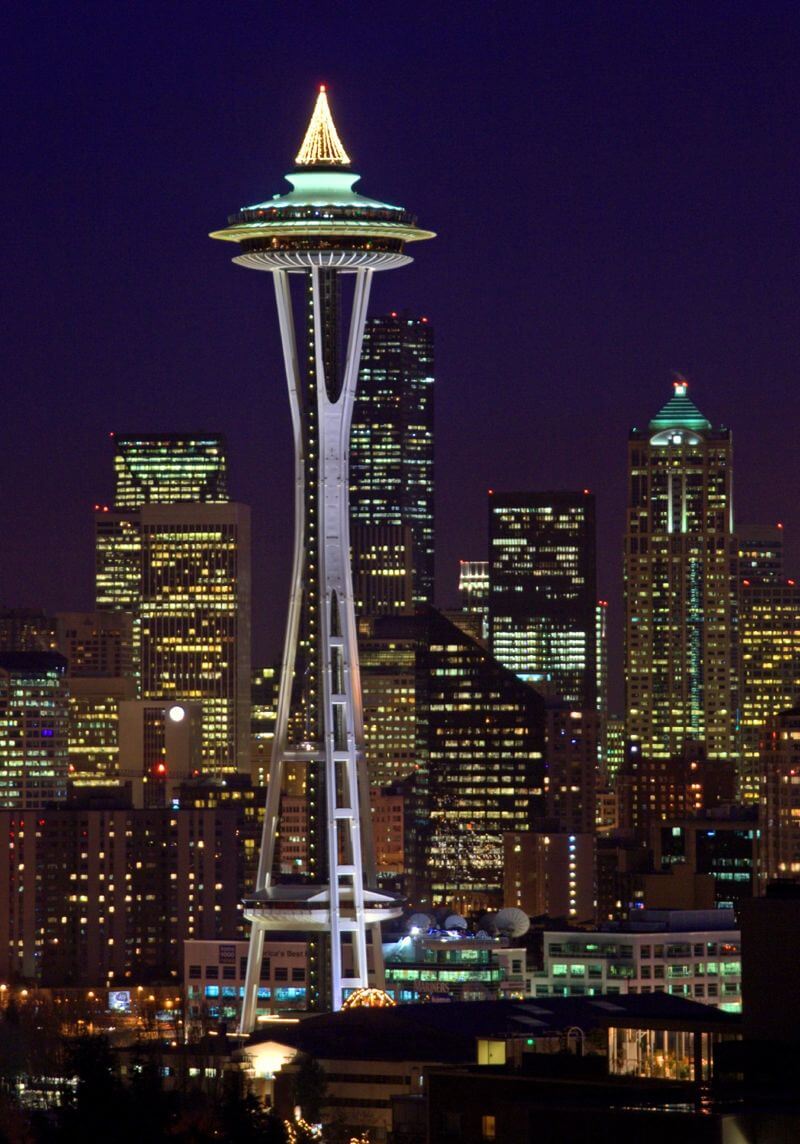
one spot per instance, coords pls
(279, 744)
(341, 693)
(362, 798)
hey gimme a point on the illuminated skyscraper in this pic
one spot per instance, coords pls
(680, 585)
(118, 566)
(760, 553)
(779, 855)
(391, 444)
(181, 568)
(472, 735)
(389, 686)
(33, 729)
(98, 647)
(383, 571)
(601, 652)
(473, 588)
(769, 640)
(543, 590)
(164, 468)
(326, 234)
(195, 621)
(264, 687)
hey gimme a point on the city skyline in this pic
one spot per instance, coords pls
(237, 879)
(639, 260)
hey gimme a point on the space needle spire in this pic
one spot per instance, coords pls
(321, 145)
(320, 233)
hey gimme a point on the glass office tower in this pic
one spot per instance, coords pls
(164, 468)
(543, 590)
(680, 585)
(391, 442)
(175, 553)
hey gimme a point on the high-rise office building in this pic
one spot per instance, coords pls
(181, 567)
(391, 443)
(760, 553)
(33, 729)
(602, 657)
(118, 566)
(98, 647)
(779, 847)
(543, 590)
(479, 769)
(389, 687)
(601, 651)
(473, 588)
(195, 621)
(483, 762)
(769, 641)
(680, 585)
(265, 682)
(383, 569)
(165, 468)
(571, 752)
(614, 747)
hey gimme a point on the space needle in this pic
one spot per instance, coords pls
(332, 240)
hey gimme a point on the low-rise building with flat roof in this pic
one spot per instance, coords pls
(694, 954)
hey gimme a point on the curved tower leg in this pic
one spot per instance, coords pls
(341, 691)
(280, 742)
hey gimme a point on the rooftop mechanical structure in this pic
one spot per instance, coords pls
(332, 240)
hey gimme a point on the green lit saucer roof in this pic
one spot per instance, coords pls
(680, 412)
(322, 203)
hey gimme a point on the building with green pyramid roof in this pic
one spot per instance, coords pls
(680, 585)
(680, 412)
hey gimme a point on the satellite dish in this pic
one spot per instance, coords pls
(512, 921)
(455, 921)
(419, 922)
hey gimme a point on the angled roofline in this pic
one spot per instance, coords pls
(321, 146)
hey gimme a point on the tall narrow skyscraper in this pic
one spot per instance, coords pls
(33, 729)
(769, 641)
(779, 849)
(324, 232)
(175, 554)
(98, 647)
(391, 444)
(543, 590)
(473, 588)
(680, 585)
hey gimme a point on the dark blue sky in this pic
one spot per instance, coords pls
(615, 191)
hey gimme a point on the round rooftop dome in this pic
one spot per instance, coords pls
(369, 999)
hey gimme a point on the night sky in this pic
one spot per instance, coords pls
(614, 187)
